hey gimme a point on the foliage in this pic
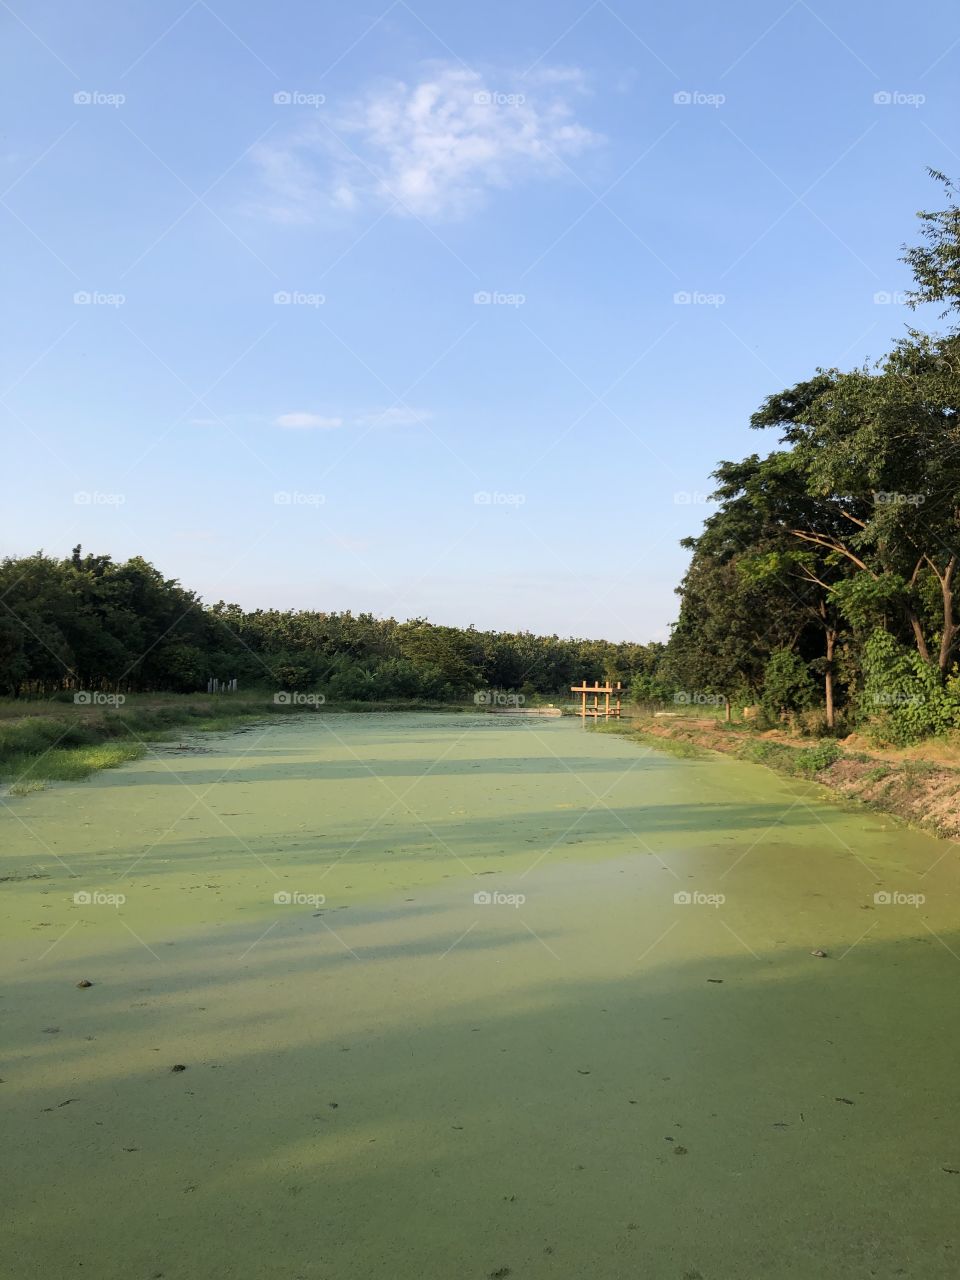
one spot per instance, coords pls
(87, 623)
(647, 688)
(904, 694)
(787, 685)
(816, 758)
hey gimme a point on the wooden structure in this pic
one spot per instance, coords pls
(594, 709)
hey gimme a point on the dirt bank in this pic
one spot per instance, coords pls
(925, 792)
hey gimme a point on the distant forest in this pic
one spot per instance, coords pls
(88, 623)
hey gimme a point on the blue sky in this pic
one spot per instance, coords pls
(440, 309)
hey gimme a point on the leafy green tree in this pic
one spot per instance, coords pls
(903, 694)
(787, 686)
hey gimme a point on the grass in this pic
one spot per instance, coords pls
(55, 740)
(670, 746)
(66, 764)
(877, 774)
(797, 761)
(814, 759)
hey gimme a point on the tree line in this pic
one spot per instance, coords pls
(823, 584)
(87, 622)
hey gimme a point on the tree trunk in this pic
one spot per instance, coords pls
(949, 626)
(918, 635)
(831, 638)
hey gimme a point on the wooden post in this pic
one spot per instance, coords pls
(593, 707)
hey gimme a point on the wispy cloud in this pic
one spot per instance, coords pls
(431, 149)
(302, 420)
(306, 422)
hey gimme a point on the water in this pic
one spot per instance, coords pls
(599, 1080)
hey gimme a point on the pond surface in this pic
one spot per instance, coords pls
(621, 1060)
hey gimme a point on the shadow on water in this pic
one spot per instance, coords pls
(370, 769)
(482, 845)
(789, 1120)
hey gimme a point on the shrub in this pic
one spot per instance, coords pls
(817, 758)
(903, 695)
(787, 685)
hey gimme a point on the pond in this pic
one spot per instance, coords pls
(467, 996)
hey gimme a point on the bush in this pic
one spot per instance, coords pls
(787, 685)
(787, 759)
(817, 758)
(645, 688)
(903, 696)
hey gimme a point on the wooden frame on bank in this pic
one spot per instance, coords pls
(594, 709)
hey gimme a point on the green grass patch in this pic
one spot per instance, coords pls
(772, 754)
(918, 768)
(26, 788)
(67, 764)
(803, 762)
(669, 746)
(814, 759)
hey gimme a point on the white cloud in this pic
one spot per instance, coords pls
(430, 149)
(306, 421)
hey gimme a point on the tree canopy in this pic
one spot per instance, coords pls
(85, 622)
